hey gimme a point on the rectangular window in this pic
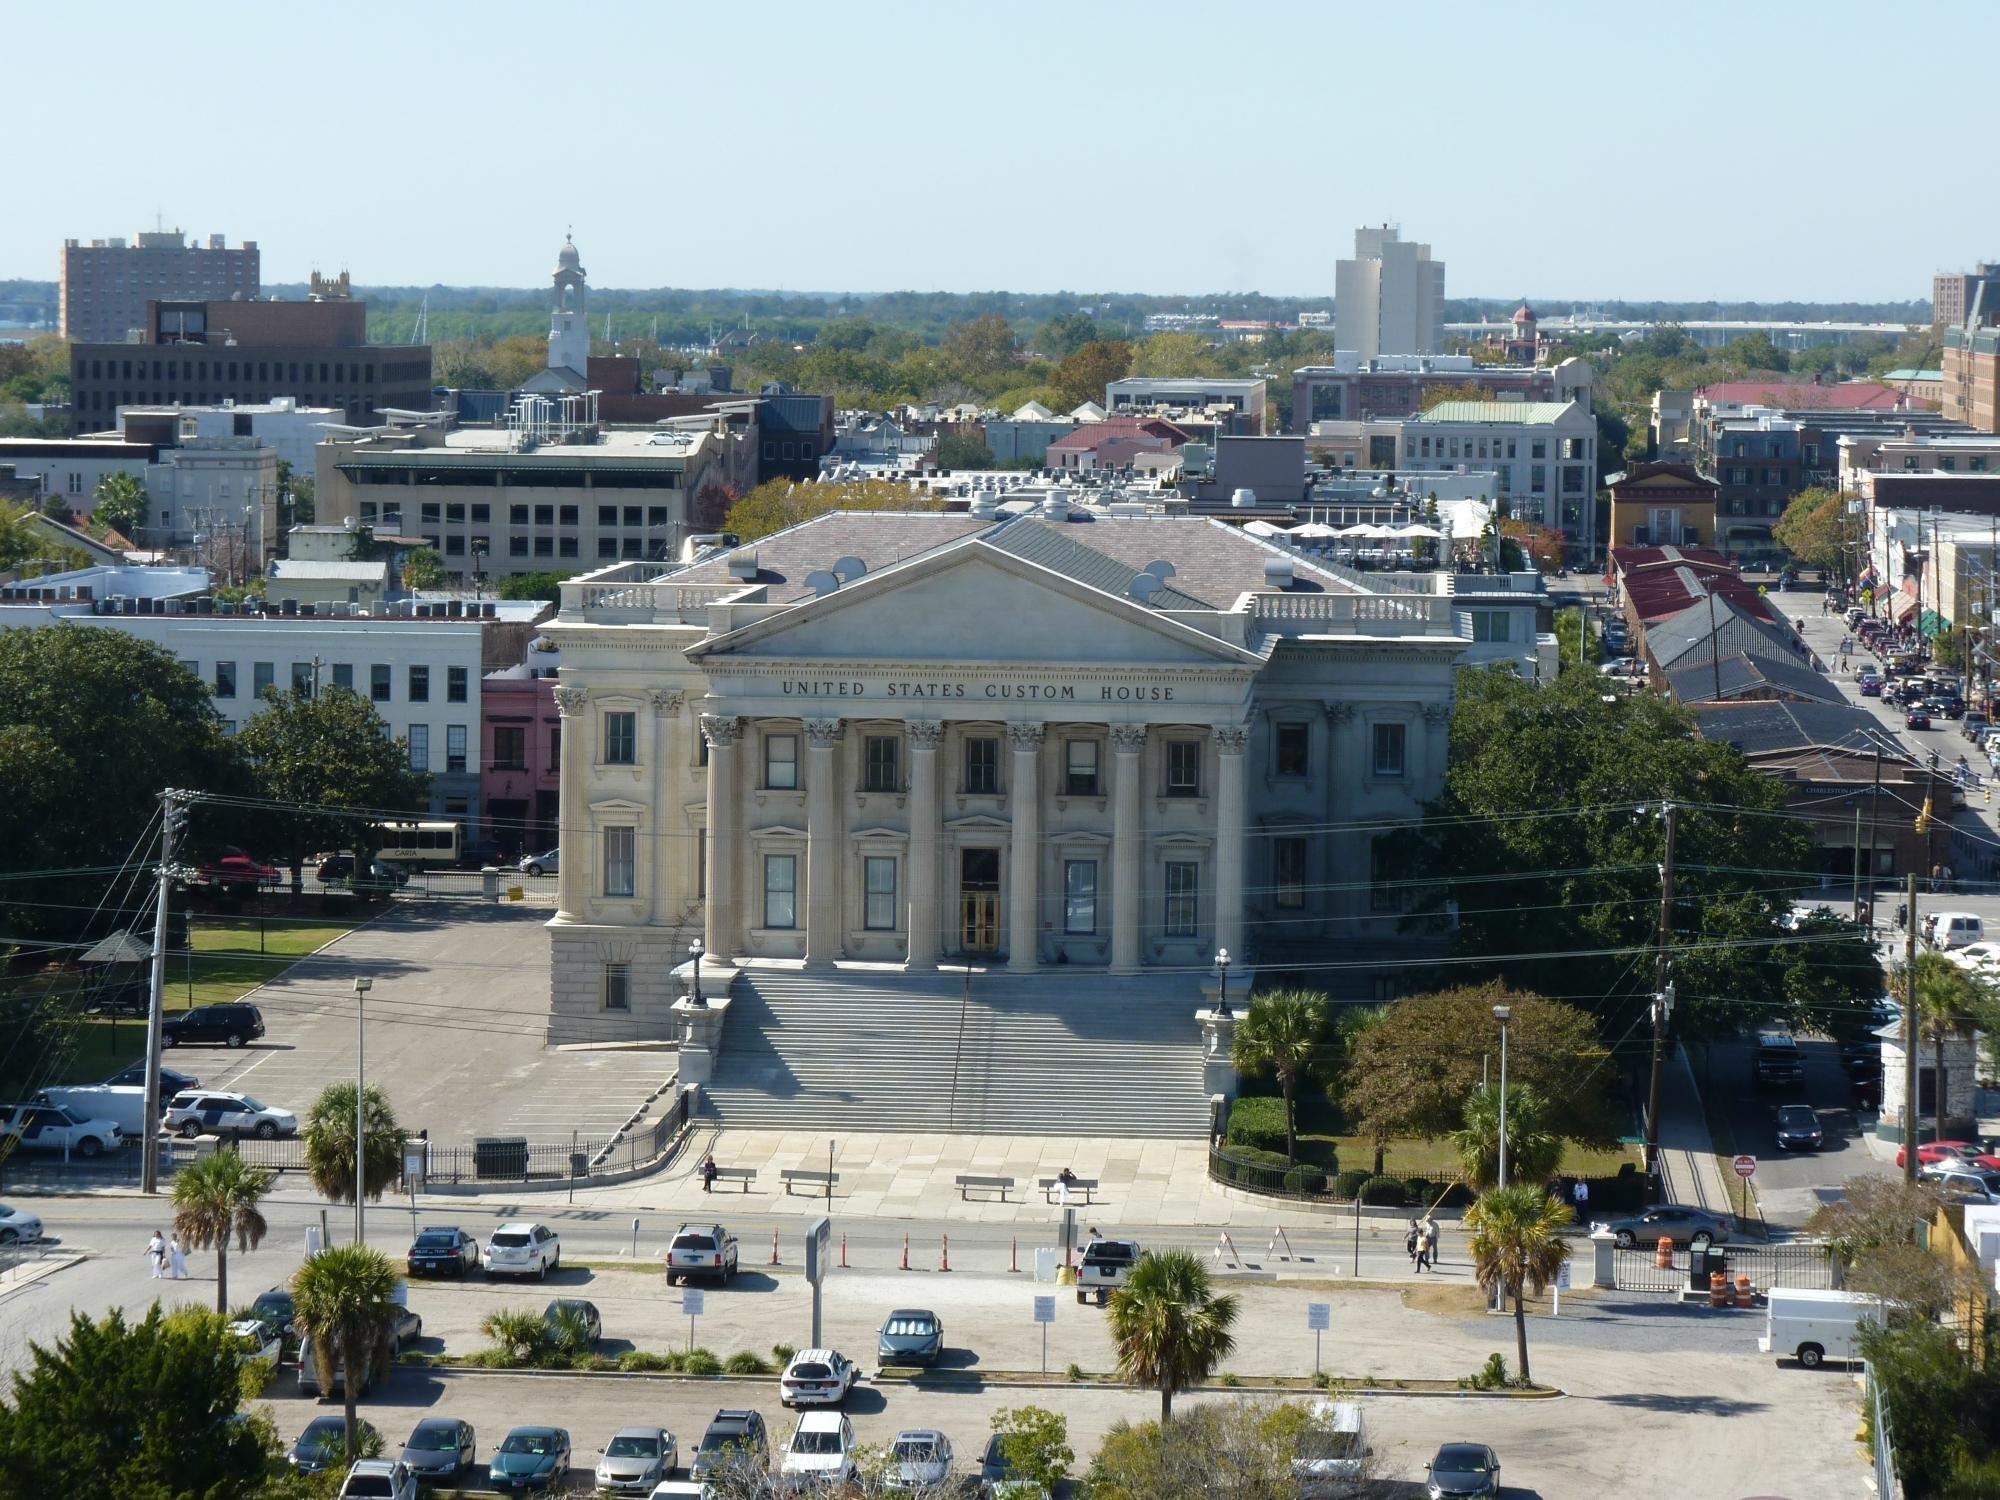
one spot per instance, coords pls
(343, 675)
(481, 515)
(454, 747)
(517, 546)
(1183, 768)
(1080, 768)
(781, 890)
(982, 766)
(545, 515)
(1293, 749)
(455, 680)
(302, 677)
(1080, 896)
(632, 516)
(1382, 896)
(617, 986)
(881, 768)
(607, 548)
(621, 845)
(566, 515)
(378, 682)
(545, 546)
(621, 738)
(517, 515)
(1288, 872)
(510, 747)
(1492, 625)
(225, 679)
(566, 546)
(263, 676)
(555, 744)
(420, 747)
(420, 684)
(1388, 760)
(880, 872)
(781, 762)
(607, 515)
(1183, 889)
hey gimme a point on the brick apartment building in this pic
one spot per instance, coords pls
(106, 284)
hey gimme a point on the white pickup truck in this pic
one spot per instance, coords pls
(51, 1127)
(1106, 1265)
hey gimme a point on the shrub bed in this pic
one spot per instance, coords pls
(1257, 1123)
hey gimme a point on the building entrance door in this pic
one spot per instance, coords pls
(979, 900)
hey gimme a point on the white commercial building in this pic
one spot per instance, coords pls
(1143, 393)
(281, 424)
(200, 488)
(1389, 299)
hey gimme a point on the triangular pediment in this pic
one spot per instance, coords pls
(972, 603)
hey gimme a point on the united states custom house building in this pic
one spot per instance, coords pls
(914, 739)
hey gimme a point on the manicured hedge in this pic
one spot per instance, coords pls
(1383, 1192)
(1251, 1167)
(1348, 1183)
(1257, 1122)
(1305, 1180)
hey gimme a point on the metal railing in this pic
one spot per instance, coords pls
(1887, 1485)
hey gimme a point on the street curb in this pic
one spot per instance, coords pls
(14, 1280)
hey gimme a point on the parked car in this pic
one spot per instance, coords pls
(817, 1377)
(821, 1452)
(636, 1459)
(1934, 1153)
(477, 854)
(18, 1226)
(919, 1459)
(323, 1445)
(733, 1438)
(441, 1448)
(1333, 1450)
(236, 870)
(134, 1077)
(231, 1025)
(1799, 1128)
(576, 1308)
(379, 1479)
(530, 1458)
(702, 1250)
(1463, 1469)
(51, 1127)
(443, 1251)
(1917, 718)
(320, 1372)
(523, 1250)
(998, 1479)
(1871, 685)
(123, 1107)
(1974, 726)
(231, 1116)
(257, 1339)
(1953, 929)
(1776, 1060)
(1107, 1264)
(545, 863)
(910, 1336)
(1674, 1221)
(381, 878)
(1962, 1182)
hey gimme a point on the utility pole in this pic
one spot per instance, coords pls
(1910, 1036)
(173, 818)
(1661, 1001)
(361, 988)
(1864, 904)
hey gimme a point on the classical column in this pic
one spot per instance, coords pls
(1231, 802)
(1437, 750)
(920, 878)
(822, 843)
(1128, 846)
(572, 836)
(1024, 801)
(668, 901)
(1343, 774)
(720, 925)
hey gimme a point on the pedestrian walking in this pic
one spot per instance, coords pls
(1412, 1240)
(156, 1252)
(1427, 1245)
(178, 1257)
(708, 1173)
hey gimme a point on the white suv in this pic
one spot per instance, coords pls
(701, 1250)
(820, 1454)
(196, 1112)
(523, 1250)
(817, 1377)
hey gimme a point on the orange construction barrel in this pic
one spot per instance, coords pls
(1663, 1253)
(1718, 1289)
(1744, 1296)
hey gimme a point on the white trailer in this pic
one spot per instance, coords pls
(1814, 1326)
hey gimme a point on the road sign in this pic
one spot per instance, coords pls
(1319, 1316)
(819, 1240)
(1562, 1277)
(691, 1299)
(1045, 1309)
(1746, 1167)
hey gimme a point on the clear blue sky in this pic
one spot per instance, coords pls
(1684, 151)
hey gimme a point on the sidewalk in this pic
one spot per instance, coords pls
(1688, 1172)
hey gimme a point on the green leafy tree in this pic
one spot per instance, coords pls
(1943, 1406)
(1534, 1151)
(1084, 374)
(1066, 333)
(57, 509)
(149, 1408)
(315, 754)
(544, 586)
(1949, 1003)
(119, 503)
(345, 1301)
(1755, 351)
(979, 349)
(1239, 1449)
(329, 1144)
(423, 569)
(778, 503)
(1170, 1328)
(216, 1199)
(960, 452)
(1283, 1032)
(1035, 1441)
(1171, 354)
(1517, 1246)
(1814, 527)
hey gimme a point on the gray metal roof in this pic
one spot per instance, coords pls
(1048, 548)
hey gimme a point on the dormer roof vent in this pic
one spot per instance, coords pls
(1160, 570)
(1277, 572)
(822, 582)
(743, 564)
(1143, 586)
(847, 569)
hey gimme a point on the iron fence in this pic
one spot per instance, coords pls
(1803, 1264)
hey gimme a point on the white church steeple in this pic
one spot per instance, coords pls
(569, 314)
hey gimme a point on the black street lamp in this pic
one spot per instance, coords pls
(695, 1002)
(1222, 995)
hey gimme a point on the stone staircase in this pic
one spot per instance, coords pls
(1052, 1053)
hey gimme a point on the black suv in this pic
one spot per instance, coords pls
(231, 1025)
(1776, 1060)
(734, 1437)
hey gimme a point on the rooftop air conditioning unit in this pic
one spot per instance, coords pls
(743, 564)
(1243, 500)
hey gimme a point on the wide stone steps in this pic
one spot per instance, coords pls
(1048, 1054)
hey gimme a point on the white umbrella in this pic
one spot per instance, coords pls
(1364, 529)
(1418, 531)
(1263, 529)
(1311, 529)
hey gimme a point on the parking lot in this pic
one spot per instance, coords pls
(455, 1020)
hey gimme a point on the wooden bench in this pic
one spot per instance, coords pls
(822, 1181)
(744, 1175)
(1000, 1185)
(1051, 1186)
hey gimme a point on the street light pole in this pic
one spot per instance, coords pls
(362, 985)
(1504, 1013)
(695, 1002)
(1222, 995)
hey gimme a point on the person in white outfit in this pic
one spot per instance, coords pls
(179, 1258)
(156, 1252)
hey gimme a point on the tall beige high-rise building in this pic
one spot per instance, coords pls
(106, 284)
(1389, 299)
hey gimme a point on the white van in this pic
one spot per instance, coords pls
(1333, 1450)
(1814, 1326)
(125, 1107)
(1953, 929)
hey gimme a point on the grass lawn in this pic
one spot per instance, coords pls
(1439, 1162)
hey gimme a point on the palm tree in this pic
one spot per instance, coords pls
(1533, 1151)
(1284, 1031)
(1517, 1244)
(329, 1143)
(1169, 1328)
(215, 1198)
(1948, 1001)
(344, 1301)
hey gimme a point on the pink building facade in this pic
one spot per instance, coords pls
(521, 746)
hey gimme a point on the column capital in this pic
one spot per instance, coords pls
(1231, 738)
(823, 734)
(1026, 736)
(1128, 739)
(721, 730)
(924, 734)
(667, 700)
(1437, 713)
(1341, 712)
(571, 701)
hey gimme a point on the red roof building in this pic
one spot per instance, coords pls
(1654, 582)
(1114, 442)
